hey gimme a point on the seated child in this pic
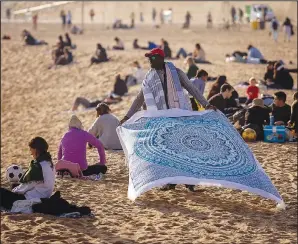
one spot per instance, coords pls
(252, 91)
(38, 181)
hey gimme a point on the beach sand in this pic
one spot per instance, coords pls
(33, 103)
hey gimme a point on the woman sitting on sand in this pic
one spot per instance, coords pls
(66, 58)
(104, 127)
(38, 181)
(198, 54)
(282, 78)
(119, 44)
(137, 76)
(30, 40)
(68, 42)
(166, 48)
(120, 87)
(100, 55)
(73, 148)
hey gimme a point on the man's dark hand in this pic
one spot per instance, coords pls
(211, 107)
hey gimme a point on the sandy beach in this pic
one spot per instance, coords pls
(33, 103)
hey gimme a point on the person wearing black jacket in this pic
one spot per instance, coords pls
(280, 110)
(220, 100)
(120, 87)
(68, 42)
(215, 89)
(282, 78)
(100, 55)
(258, 115)
(268, 77)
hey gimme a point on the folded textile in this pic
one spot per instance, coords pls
(186, 147)
(24, 206)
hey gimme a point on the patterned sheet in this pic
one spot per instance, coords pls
(183, 147)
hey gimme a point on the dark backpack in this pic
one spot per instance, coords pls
(274, 25)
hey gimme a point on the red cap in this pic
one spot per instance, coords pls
(155, 51)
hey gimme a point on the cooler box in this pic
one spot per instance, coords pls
(274, 133)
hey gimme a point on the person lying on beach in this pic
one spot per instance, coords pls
(81, 101)
(254, 56)
(137, 76)
(73, 147)
(220, 100)
(38, 181)
(120, 89)
(119, 44)
(100, 55)
(104, 127)
(198, 54)
(30, 40)
(76, 30)
(136, 45)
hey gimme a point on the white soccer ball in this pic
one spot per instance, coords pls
(14, 173)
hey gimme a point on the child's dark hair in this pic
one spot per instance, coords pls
(39, 144)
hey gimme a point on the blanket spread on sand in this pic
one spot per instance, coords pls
(187, 147)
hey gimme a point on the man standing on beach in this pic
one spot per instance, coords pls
(63, 18)
(34, 19)
(158, 65)
(162, 88)
(153, 15)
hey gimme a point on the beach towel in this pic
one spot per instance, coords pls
(154, 93)
(177, 146)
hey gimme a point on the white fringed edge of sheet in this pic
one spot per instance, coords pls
(133, 194)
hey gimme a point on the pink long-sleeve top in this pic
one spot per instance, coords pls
(73, 147)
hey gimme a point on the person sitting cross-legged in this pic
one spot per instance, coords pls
(38, 181)
(73, 146)
(104, 127)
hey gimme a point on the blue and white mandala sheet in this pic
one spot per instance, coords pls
(187, 147)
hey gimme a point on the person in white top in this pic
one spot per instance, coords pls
(119, 44)
(137, 76)
(104, 127)
(38, 181)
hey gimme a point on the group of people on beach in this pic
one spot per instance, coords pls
(39, 180)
